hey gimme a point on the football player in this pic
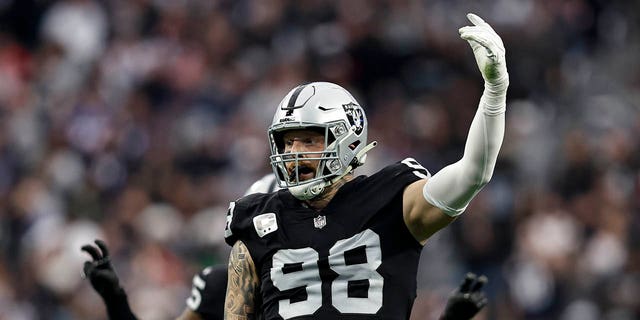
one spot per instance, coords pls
(209, 285)
(334, 246)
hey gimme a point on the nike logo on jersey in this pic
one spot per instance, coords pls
(325, 109)
(265, 224)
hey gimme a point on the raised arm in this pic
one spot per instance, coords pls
(242, 286)
(432, 204)
(105, 281)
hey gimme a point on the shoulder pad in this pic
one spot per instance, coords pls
(402, 172)
(241, 213)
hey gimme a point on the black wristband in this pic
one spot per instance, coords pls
(118, 306)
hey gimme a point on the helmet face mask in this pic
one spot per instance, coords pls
(333, 112)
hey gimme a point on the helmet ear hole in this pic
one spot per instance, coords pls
(354, 145)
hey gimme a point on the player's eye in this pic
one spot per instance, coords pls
(288, 145)
(307, 142)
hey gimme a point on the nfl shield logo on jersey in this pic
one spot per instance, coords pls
(265, 224)
(319, 222)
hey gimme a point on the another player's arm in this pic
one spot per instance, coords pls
(467, 300)
(242, 286)
(105, 281)
(431, 204)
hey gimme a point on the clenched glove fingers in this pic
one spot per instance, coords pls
(467, 300)
(488, 50)
(100, 271)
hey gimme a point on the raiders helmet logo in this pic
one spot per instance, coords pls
(355, 115)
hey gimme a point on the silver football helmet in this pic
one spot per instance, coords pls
(329, 109)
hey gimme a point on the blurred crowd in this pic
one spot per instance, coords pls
(137, 121)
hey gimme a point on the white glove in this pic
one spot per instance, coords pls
(488, 50)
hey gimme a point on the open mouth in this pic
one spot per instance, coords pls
(304, 173)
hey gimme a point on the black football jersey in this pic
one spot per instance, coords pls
(208, 293)
(354, 259)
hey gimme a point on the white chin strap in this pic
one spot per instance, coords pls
(313, 189)
(308, 191)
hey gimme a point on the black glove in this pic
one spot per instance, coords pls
(105, 281)
(100, 272)
(467, 300)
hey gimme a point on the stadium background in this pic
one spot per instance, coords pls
(137, 121)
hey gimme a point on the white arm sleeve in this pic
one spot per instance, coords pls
(453, 187)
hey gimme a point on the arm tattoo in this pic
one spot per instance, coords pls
(242, 286)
